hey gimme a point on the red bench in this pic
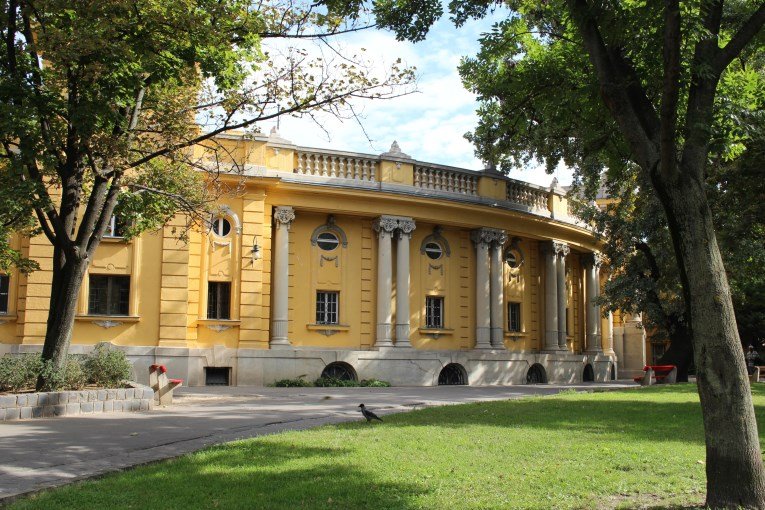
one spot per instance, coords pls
(162, 386)
(657, 374)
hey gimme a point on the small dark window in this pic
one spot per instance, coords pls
(433, 251)
(109, 295)
(514, 317)
(116, 227)
(568, 322)
(327, 241)
(511, 258)
(434, 312)
(4, 291)
(326, 307)
(217, 376)
(221, 227)
(218, 300)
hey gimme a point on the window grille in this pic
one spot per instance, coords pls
(514, 317)
(218, 300)
(326, 307)
(434, 312)
(109, 295)
(4, 291)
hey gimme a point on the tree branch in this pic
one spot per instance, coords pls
(671, 86)
(745, 34)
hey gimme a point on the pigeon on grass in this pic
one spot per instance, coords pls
(369, 415)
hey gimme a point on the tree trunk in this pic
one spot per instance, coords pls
(65, 289)
(680, 353)
(735, 474)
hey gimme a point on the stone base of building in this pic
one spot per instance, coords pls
(399, 366)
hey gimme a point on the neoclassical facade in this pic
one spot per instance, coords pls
(337, 263)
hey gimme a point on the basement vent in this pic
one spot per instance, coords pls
(217, 376)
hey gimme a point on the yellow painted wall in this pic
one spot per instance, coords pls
(169, 277)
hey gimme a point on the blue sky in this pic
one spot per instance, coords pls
(429, 125)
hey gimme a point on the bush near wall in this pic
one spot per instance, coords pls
(104, 367)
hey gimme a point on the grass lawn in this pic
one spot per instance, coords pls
(625, 449)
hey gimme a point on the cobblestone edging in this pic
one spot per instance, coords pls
(24, 406)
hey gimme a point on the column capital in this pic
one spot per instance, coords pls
(593, 259)
(284, 215)
(385, 224)
(489, 236)
(390, 224)
(561, 249)
(405, 227)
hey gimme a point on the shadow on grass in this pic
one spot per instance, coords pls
(241, 475)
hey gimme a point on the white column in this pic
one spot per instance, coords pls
(562, 250)
(497, 291)
(283, 217)
(482, 289)
(405, 228)
(384, 226)
(551, 297)
(592, 268)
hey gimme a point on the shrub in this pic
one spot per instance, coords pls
(106, 367)
(19, 372)
(298, 382)
(333, 382)
(71, 377)
(374, 383)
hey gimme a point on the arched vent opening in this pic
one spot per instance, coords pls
(340, 370)
(453, 374)
(589, 374)
(536, 374)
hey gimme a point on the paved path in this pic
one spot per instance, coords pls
(36, 454)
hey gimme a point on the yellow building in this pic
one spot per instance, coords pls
(334, 262)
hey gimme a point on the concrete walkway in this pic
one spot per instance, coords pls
(37, 454)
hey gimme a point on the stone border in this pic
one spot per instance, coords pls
(24, 406)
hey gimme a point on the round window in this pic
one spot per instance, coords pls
(327, 241)
(433, 250)
(221, 227)
(511, 258)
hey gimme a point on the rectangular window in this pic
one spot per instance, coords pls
(109, 295)
(4, 291)
(218, 300)
(434, 312)
(514, 317)
(326, 307)
(115, 228)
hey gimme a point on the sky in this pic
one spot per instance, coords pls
(429, 124)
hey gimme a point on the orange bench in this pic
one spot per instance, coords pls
(657, 374)
(162, 386)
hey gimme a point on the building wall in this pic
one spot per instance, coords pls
(167, 320)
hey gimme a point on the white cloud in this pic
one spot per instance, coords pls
(429, 125)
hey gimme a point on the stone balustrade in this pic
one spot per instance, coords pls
(335, 165)
(522, 193)
(443, 179)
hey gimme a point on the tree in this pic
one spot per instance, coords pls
(558, 78)
(102, 102)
